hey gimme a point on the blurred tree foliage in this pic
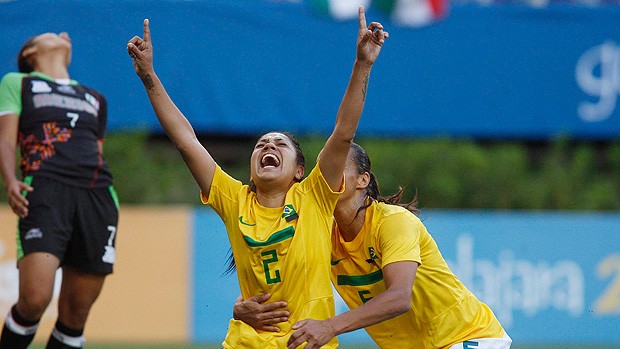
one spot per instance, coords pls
(446, 173)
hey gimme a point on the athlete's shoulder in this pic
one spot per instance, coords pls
(10, 93)
(314, 174)
(382, 212)
(225, 183)
(91, 91)
(316, 179)
(307, 183)
(384, 209)
(13, 77)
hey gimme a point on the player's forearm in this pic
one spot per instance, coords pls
(334, 155)
(174, 123)
(352, 104)
(385, 306)
(180, 131)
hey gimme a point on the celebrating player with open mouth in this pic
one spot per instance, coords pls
(279, 226)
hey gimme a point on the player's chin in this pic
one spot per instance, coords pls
(268, 174)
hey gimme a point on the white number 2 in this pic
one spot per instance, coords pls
(74, 118)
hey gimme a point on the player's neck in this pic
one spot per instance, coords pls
(273, 193)
(349, 217)
(270, 199)
(54, 67)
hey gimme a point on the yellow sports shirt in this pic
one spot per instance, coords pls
(284, 251)
(443, 312)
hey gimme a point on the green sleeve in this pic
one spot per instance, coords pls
(11, 94)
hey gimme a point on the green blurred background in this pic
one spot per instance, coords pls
(560, 174)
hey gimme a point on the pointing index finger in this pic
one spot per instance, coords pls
(362, 17)
(147, 31)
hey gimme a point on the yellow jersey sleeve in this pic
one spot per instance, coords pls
(399, 238)
(316, 187)
(223, 194)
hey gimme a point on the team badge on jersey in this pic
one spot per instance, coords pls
(373, 255)
(289, 213)
(39, 86)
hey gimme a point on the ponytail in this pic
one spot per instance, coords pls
(361, 159)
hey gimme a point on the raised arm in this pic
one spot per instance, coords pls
(177, 127)
(334, 154)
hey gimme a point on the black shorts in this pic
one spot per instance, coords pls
(77, 225)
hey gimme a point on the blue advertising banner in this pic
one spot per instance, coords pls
(550, 277)
(250, 66)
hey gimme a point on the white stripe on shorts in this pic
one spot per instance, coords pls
(485, 343)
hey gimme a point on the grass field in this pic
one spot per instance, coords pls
(185, 346)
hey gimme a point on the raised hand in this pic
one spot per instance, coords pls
(141, 51)
(369, 39)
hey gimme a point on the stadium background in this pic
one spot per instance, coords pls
(502, 115)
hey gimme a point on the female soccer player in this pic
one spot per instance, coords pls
(379, 249)
(279, 226)
(67, 207)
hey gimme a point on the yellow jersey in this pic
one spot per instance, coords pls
(283, 251)
(443, 311)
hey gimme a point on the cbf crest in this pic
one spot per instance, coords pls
(373, 255)
(289, 213)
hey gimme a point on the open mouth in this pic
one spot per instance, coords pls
(269, 160)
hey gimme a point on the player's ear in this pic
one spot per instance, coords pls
(363, 180)
(299, 174)
(29, 51)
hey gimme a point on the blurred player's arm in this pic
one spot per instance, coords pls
(177, 127)
(8, 148)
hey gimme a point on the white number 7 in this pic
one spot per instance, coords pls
(112, 230)
(74, 118)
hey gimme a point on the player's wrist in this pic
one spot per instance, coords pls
(362, 64)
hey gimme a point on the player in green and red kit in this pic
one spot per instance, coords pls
(67, 207)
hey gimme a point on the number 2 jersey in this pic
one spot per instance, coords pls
(60, 124)
(283, 251)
